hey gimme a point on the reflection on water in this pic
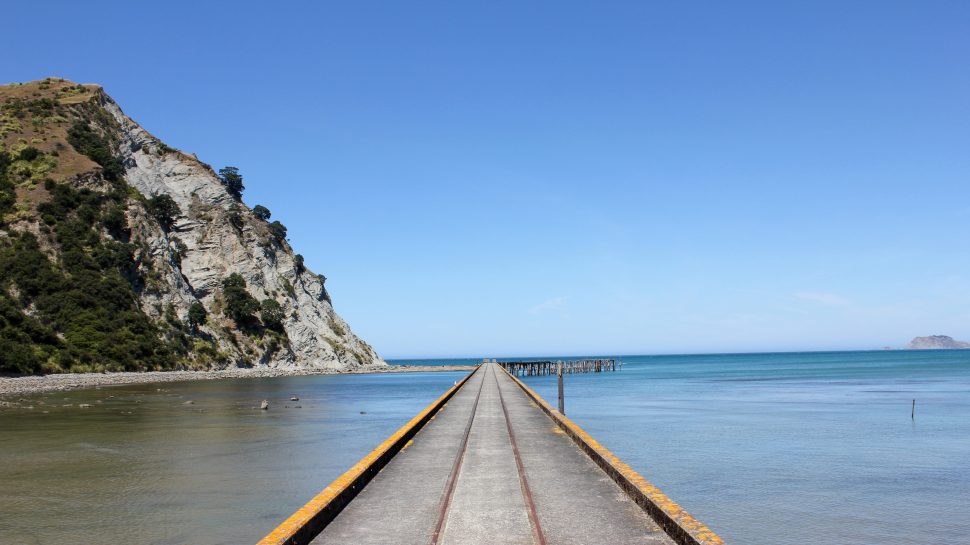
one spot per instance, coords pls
(142, 465)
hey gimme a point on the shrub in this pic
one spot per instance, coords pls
(337, 328)
(114, 221)
(240, 305)
(180, 250)
(29, 153)
(287, 287)
(236, 220)
(164, 209)
(87, 142)
(278, 230)
(262, 212)
(197, 316)
(8, 196)
(298, 261)
(272, 314)
(324, 296)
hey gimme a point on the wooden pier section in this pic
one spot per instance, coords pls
(490, 463)
(550, 367)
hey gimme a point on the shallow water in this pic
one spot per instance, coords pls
(815, 448)
(140, 466)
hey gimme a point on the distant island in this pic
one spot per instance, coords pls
(936, 342)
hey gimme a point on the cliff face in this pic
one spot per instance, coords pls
(936, 342)
(180, 259)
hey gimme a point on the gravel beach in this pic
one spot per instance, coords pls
(24, 385)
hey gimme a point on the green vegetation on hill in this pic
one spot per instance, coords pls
(88, 142)
(278, 230)
(272, 314)
(8, 196)
(69, 284)
(164, 209)
(240, 305)
(84, 314)
(261, 212)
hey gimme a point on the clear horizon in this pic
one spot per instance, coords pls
(573, 178)
(658, 354)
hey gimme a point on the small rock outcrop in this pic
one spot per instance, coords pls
(936, 342)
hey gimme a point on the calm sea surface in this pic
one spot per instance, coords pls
(797, 448)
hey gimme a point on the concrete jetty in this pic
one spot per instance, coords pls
(490, 462)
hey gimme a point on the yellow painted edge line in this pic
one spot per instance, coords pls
(686, 530)
(285, 533)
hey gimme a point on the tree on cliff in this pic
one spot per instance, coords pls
(197, 316)
(164, 209)
(272, 314)
(233, 181)
(278, 230)
(262, 212)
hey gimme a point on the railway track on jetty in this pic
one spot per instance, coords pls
(491, 462)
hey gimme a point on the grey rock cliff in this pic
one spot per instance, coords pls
(203, 247)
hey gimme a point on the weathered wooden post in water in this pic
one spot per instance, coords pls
(562, 401)
(912, 415)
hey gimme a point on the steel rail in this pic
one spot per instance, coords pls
(455, 469)
(530, 504)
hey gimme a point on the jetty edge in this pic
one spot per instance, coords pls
(671, 517)
(304, 525)
(661, 519)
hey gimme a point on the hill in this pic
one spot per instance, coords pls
(936, 342)
(121, 253)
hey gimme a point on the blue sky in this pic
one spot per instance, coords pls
(522, 178)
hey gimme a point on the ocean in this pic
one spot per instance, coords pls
(788, 448)
(796, 448)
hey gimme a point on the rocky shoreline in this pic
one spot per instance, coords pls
(25, 385)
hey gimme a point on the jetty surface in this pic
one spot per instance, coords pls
(490, 462)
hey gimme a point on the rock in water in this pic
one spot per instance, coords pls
(264, 405)
(936, 342)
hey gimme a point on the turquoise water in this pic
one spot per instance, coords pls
(804, 448)
(815, 448)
